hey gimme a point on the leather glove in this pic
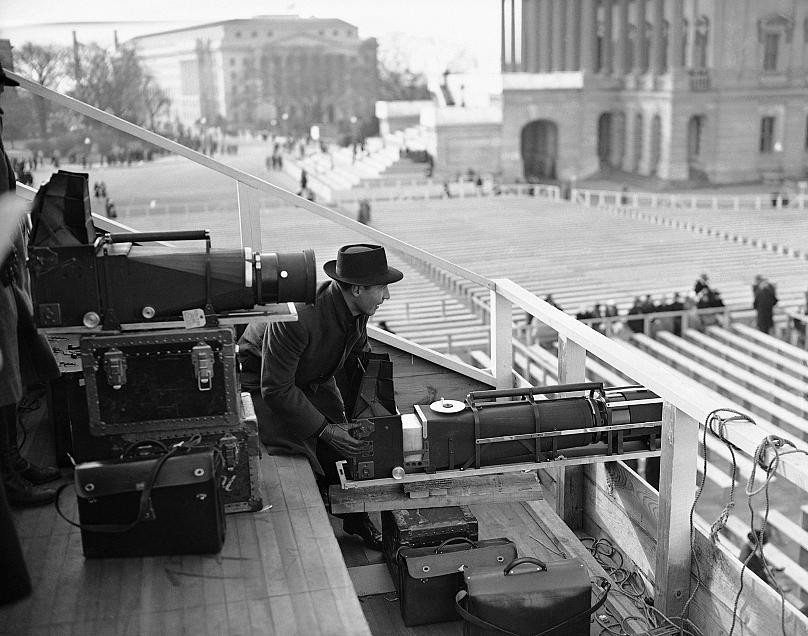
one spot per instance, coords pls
(338, 437)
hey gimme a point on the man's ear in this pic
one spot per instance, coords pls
(355, 289)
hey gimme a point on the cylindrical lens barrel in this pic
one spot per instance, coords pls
(290, 277)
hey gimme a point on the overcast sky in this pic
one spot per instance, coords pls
(434, 28)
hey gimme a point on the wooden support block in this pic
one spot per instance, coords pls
(523, 486)
(372, 579)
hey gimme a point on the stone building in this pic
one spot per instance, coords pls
(281, 73)
(678, 89)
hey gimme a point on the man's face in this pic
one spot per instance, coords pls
(370, 298)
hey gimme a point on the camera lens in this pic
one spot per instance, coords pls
(287, 277)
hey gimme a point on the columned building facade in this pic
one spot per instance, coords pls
(283, 73)
(678, 89)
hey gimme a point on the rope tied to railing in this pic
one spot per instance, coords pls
(766, 457)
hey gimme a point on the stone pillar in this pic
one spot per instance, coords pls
(607, 61)
(572, 34)
(676, 36)
(657, 20)
(530, 34)
(560, 27)
(620, 67)
(513, 36)
(546, 35)
(502, 66)
(640, 63)
(589, 34)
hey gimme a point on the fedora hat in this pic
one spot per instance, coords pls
(362, 264)
(5, 80)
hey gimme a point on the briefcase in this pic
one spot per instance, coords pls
(419, 527)
(151, 501)
(529, 597)
(429, 578)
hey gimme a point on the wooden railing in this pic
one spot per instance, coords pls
(650, 527)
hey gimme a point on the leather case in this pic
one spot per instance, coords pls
(528, 597)
(133, 507)
(429, 578)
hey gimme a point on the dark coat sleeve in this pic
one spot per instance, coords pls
(284, 345)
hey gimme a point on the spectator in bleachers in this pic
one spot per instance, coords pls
(702, 282)
(676, 304)
(799, 325)
(635, 325)
(648, 305)
(765, 298)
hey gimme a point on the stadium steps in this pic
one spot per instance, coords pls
(736, 396)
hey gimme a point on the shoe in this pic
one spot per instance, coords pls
(362, 526)
(36, 474)
(22, 493)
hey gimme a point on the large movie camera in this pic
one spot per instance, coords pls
(85, 278)
(511, 426)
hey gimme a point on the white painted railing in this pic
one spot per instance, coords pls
(684, 404)
(689, 201)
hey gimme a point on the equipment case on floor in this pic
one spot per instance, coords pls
(420, 527)
(161, 381)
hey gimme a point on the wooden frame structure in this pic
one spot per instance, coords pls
(651, 528)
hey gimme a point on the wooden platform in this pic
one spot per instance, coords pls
(285, 570)
(280, 572)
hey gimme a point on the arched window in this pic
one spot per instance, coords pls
(695, 129)
(773, 31)
(701, 41)
(685, 36)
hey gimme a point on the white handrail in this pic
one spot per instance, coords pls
(247, 179)
(685, 394)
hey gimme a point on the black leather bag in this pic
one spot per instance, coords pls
(542, 600)
(151, 501)
(430, 577)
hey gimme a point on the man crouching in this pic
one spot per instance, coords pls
(302, 411)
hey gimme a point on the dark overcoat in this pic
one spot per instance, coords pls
(764, 302)
(26, 356)
(299, 361)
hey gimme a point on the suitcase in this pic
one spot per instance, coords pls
(152, 501)
(529, 597)
(421, 527)
(240, 475)
(161, 381)
(431, 577)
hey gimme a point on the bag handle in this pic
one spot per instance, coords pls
(455, 540)
(144, 505)
(479, 622)
(521, 561)
(157, 445)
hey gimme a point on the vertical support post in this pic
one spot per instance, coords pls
(249, 215)
(569, 481)
(803, 557)
(501, 340)
(676, 494)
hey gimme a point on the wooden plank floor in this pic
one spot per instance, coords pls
(280, 572)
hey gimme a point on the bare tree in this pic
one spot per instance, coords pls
(117, 83)
(45, 65)
(155, 100)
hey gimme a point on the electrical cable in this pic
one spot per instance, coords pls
(716, 424)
